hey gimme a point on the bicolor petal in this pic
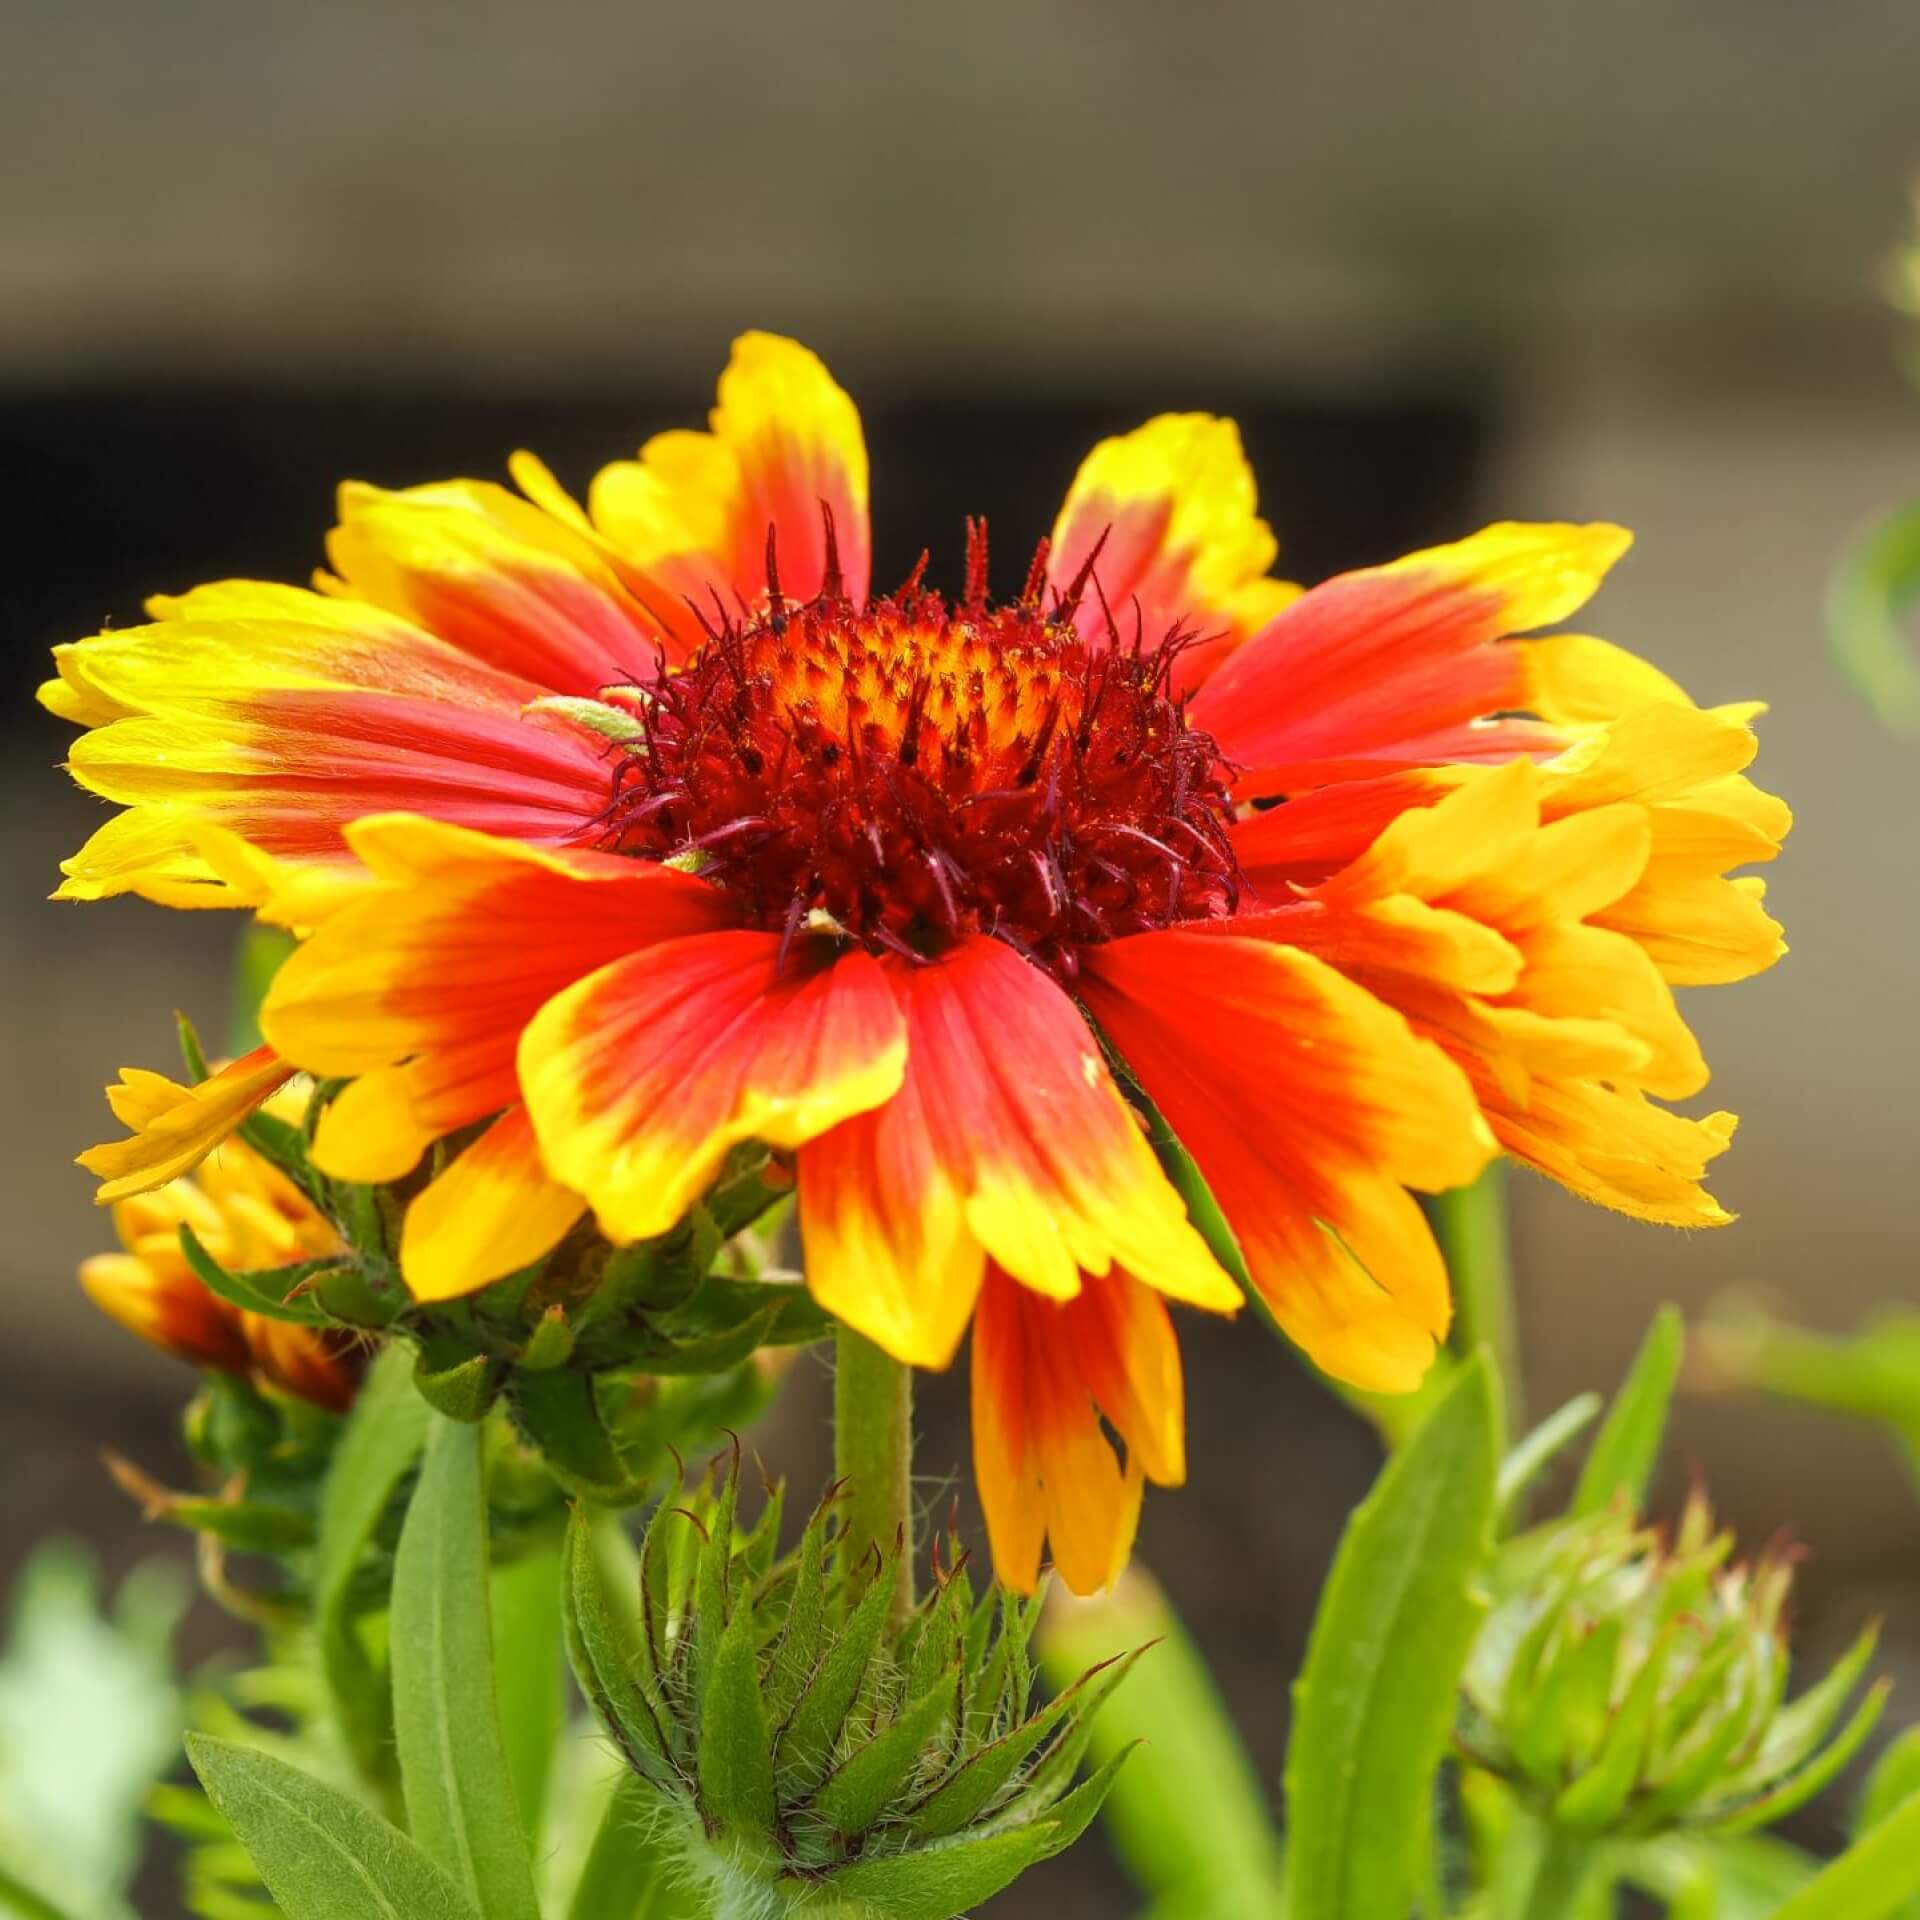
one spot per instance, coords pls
(1046, 1374)
(1013, 1127)
(1310, 1107)
(1164, 520)
(641, 1077)
(1404, 665)
(694, 517)
(495, 1210)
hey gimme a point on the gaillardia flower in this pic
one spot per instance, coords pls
(640, 829)
(246, 1214)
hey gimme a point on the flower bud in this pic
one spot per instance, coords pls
(245, 1214)
(1629, 1683)
(809, 1750)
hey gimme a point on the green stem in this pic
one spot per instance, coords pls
(1558, 1871)
(873, 1454)
(1471, 1226)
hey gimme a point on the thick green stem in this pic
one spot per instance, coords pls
(1471, 1226)
(1555, 1874)
(873, 1454)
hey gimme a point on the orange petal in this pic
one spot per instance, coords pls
(1402, 665)
(643, 1076)
(689, 520)
(1013, 1142)
(1170, 510)
(174, 1127)
(494, 1211)
(1310, 1107)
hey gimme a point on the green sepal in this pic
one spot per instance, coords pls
(263, 1290)
(1797, 1789)
(717, 1352)
(812, 1728)
(967, 1793)
(736, 1744)
(615, 1670)
(1061, 1761)
(551, 1342)
(248, 1526)
(559, 1413)
(942, 1882)
(1798, 1729)
(799, 1650)
(463, 1391)
(711, 1596)
(1595, 1801)
(857, 1792)
(363, 1293)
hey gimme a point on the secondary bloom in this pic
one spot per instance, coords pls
(247, 1215)
(642, 829)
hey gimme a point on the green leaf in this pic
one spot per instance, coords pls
(736, 1744)
(264, 1291)
(1375, 1703)
(378, 1448)
(1872, 1879)
(560, 1415)
(529, 1676)
(322, 1855)
(1894, 1779)
(1531, 1458)
(1870, 598)
(453, 1765)
(1627, 1447)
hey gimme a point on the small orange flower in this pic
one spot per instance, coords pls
(642, 828)
(247, 1215)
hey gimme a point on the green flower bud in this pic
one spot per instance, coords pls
(1628, 1683)
(809, 1751)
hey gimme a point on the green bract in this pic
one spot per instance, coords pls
(1626, 1683)
(802, 1748)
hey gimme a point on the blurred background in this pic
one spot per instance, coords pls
(1444, 264)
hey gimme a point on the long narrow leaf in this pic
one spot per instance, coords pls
(1872, 1879)
(1627, 1448)
(460, 1797)
(378, 1449)
(1374, 1705)
(323, 1855)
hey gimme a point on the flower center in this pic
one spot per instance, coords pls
(915, 772)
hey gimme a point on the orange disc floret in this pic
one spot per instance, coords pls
(917, 772)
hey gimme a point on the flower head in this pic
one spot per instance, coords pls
(1631, 1682)
(246, 1214)
(639, 829)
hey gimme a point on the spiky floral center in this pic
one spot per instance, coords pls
(915, 771)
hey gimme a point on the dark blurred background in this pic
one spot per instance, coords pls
(1445, 265)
